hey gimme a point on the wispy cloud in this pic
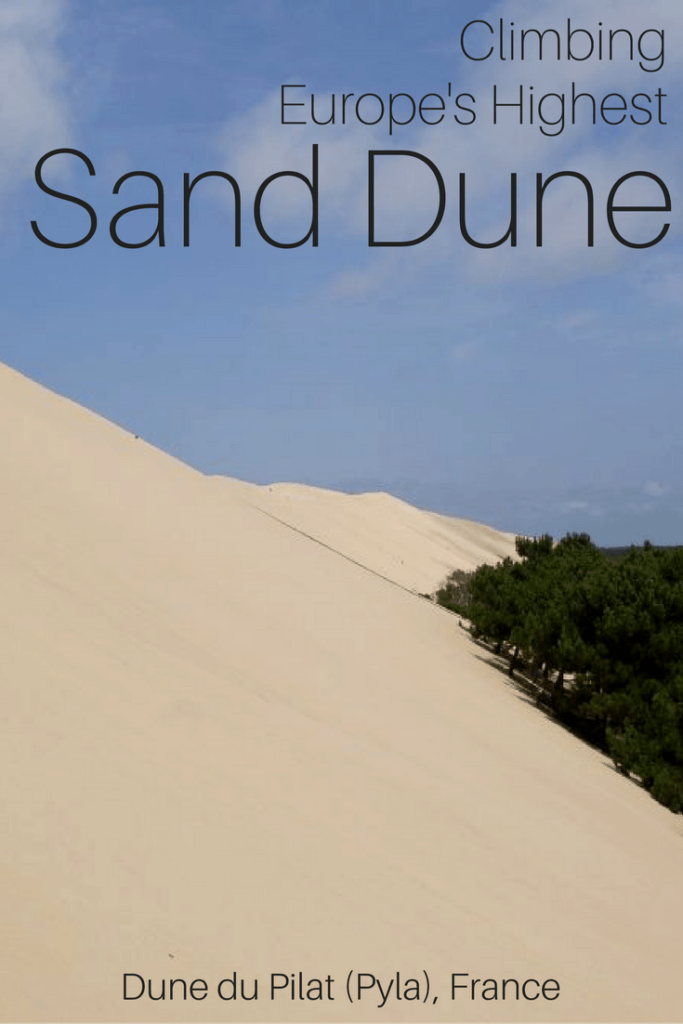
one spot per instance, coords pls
(655, 489)
(257, 145)
(34, 108)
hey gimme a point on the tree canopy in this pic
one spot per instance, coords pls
(603, 638)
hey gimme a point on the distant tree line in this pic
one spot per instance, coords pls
(602, 639)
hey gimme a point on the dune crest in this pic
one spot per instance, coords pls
(228, 748)
(412, 547)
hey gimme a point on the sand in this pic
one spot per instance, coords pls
(412, 547)
(227, 746)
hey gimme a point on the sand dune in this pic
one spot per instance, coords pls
(227, 748)
(412, 547)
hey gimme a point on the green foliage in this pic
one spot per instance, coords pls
(604, 637)
(455, 593)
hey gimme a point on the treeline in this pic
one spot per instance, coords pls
(615, 553)
(602, 639)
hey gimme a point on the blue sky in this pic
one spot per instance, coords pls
(535, 389)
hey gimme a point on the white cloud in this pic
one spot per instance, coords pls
(590, 508)
(258, 145)
(34, 114)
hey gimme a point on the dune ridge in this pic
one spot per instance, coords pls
(410, 546)
(225, 747)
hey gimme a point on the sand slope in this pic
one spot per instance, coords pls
(226, 748)
(412, 547)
